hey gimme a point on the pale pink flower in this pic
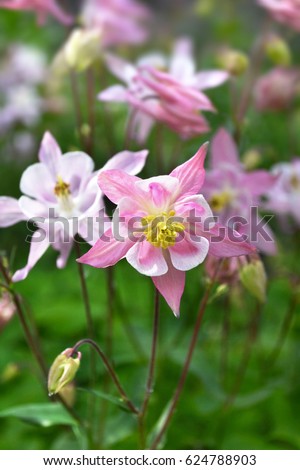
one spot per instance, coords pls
(284, 11)
(7, 308)
(119, 21)
(62, 198)
(41, 7)
(232, 191)
(167, 91)
(284, 199)
(163, 227)
(276, 90)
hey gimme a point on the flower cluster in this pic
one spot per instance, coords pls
(284, 11)
(41, 7)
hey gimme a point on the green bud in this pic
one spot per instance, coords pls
(278, 51)
(251, 159)
(62, 371)
(233, 61)
(254, 279)
(204, 7)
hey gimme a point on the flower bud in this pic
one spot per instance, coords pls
(235, 62)
(7, 308)
(254, 279)
(62, 371)
(278, 51)
(205, 7)
(81, 50)
(251, 159)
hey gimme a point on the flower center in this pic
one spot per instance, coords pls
(63, 193)
(162, 230)
(220, 200)
(295, 182)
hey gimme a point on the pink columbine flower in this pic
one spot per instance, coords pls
(284, 199)
(167, 91)
(62, 198)
(41, 7)
(120, 21)
(276, 90)
(163, 227)
(284, 11)
(234, 193)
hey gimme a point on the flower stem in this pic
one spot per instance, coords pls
(187, 362)
(77, 106)
(110, 370)
(90, 83)
(149, 385)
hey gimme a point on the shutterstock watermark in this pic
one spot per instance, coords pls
(238, 229)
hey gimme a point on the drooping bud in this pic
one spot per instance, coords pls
(7, 308)
(81, 50)
(63, 371)
(251, 159)
(254, 279)
(233, 61)
(278, 51)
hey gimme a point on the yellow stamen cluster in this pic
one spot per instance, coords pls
(295, 182)
(162, 230)
(61, 189)
(220, 200)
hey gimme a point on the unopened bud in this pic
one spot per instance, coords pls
(62, 371)
(235, 62)
(251, 159)
(204, 7)
(278, 51)
(81, 50)
(7, 307)
(254, 279)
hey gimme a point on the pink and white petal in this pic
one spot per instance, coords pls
(193, 206)
(171, 287)
(130, 162)
(210, 79)
(38, 246)
(117, 93)
(141, 126)
(106, 252)
(64, 249)
(92, 228)
(32, 208)
(117, 184)
(191, 174)
(120, 68)
(224, 151)
(59, 13)
(75, 168)
(147, 259)
(186, 254)
(158, 192)
(225, 242)
(50, 153)
(182, 65)
(10, 212)
(38, 182)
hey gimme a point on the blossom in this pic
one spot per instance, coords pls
(233, 192)
(119, 21)
(284, 199)
(163, 227)
(41, 7)
(276, 90)
(167, 91)
(62, 198)
(284, 11)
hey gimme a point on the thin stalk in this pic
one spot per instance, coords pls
(150, 380)
(225, 339)
(85, 295)
(110, 370)
(187, 362)
(77, 106)
(90, 82)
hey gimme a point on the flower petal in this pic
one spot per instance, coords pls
(171, 287)
(210, 79)
(37, 182)
(50, 153)
(75, 168)
(117, 184)
(130, 162)
(147, 259)
(117, 93)
(186, 254)
(106, 252)
(224, 151)
(10, 212)
(191, 173)
(225, 242)
(38, 246)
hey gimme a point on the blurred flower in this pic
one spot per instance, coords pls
(276, 90)
(81, 50)
(228, 273)
(162, 226)
(234, 62)
(7, 308)
(118, 21)
(232, 191)
(41, 7)
(63, 371)
(284, 11)
(62, 198)
(165, 91)
(284, 199)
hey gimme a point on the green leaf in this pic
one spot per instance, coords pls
(44, 414)
(112, 399)
(158, 427)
